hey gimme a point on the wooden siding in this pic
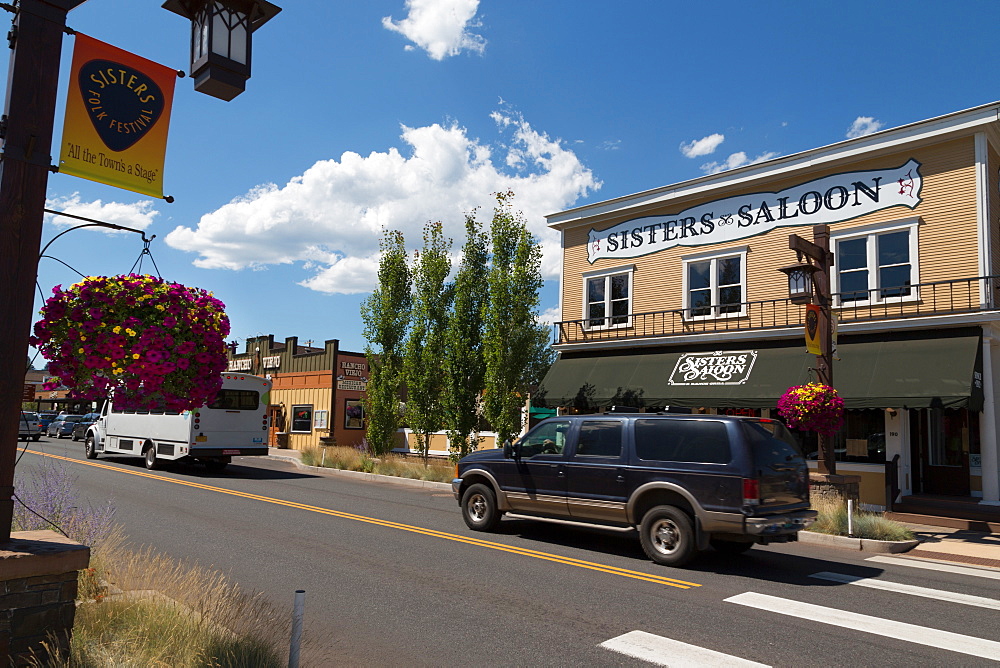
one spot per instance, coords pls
(310, 388)
(948, 244)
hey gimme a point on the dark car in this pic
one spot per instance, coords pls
(686, 482)
(80, 428)
(63, 426)
(46, 419)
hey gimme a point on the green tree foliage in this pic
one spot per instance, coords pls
(386, 314)
(464, 366)
(425, 346)
(511, 335)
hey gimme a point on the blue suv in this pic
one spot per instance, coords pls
(686, 482)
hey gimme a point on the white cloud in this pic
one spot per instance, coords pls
(863, 125)
(332, 216)
(610, 145)
(440, 27)
(703, 146)
(138, 215)
(735, 160)
(550, 316)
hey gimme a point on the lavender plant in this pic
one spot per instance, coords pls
(51, 493)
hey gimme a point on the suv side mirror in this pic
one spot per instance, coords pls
(511, 450)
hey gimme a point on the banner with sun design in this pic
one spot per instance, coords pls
(117, 114)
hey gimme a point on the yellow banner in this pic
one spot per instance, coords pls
(117, 114)
(813, 340)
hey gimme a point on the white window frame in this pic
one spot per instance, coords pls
(871, 232)
(714, 256)
(629, 270)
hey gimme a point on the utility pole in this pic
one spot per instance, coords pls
(818, 251)
(29, 115)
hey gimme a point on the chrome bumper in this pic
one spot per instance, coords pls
(786, 523)
(456, 488)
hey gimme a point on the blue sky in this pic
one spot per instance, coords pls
(391, 113)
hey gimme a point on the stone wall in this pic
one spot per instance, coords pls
(38, 586)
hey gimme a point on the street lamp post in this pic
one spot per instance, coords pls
(817, 273)
(26, 132)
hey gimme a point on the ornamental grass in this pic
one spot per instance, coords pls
(832, 519)
(358, 459)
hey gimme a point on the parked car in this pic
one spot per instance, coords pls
(29, 427)
(63, 426)
(686, 482)
(46, 419)
(80, 428)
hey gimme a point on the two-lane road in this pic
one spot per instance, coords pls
(393, 576)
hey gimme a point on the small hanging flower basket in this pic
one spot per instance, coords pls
(812, 407)
(157, 345)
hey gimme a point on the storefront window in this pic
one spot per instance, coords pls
(861, 440)
(302, 418)
(354, 414)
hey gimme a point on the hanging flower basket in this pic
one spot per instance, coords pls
(812, 407)
(157, 345)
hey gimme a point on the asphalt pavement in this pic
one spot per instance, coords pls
(975, 548)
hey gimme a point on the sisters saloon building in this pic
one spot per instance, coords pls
(673, 298)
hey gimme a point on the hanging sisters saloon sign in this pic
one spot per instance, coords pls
(831, 199)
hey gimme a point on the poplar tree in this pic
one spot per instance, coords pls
(512, 333)
(464, 366)
(425, 346)
(386, 314)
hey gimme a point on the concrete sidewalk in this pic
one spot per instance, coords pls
(974, 548)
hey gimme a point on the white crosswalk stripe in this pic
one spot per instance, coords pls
(912, 590)
(921, 635)
(666, 652)
(937, 566)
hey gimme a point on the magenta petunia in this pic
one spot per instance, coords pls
(104, 320)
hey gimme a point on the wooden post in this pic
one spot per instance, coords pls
(29, 112)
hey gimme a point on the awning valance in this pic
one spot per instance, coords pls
(919, 371)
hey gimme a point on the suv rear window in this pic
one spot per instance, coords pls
(702, 441)
(771, 443)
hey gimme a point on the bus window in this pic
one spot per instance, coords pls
(236, 400)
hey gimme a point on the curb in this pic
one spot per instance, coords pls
(361, 475)
(860, 544)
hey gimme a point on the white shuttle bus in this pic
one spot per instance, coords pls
(235, 424)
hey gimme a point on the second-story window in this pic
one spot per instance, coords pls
(876, 265)
(608, 298)
(714, 285)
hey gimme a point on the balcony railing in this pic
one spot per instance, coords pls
(963, 295)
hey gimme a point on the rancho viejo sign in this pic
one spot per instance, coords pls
(831, 199)
(718, 368)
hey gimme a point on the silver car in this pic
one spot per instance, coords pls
(29, 427)
(63, 426)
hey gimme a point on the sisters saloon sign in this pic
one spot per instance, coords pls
(831, 199)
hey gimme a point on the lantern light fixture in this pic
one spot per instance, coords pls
(220, 41)
(800, 282)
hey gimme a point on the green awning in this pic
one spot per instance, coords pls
(917, 372)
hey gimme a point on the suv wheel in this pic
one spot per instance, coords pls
(479, 508)
(667, 536)
(89, 447)
(730, 546)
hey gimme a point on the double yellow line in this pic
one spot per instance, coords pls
(569, 561)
